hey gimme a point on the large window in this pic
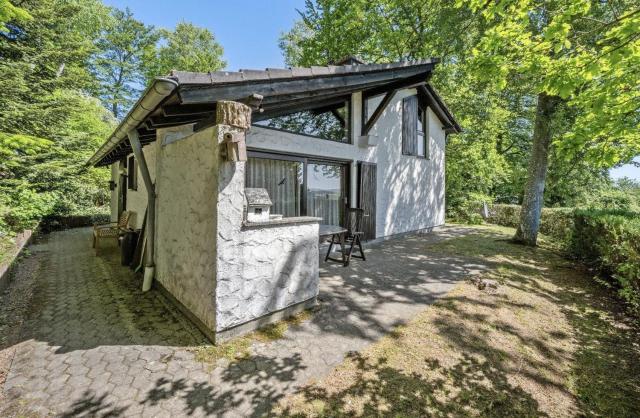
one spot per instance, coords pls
(328, 122)
(300, 186)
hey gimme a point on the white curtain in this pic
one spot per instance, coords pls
(282, 179)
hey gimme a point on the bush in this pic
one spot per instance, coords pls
(610, 242)
(469, 209)
(24, 208)
(554, 222)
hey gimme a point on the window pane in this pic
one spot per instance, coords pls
(420, 144)
(327, 123)
(325, 192)
(420, 121)
(282, 179)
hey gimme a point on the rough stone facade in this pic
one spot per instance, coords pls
(223, 272)
(259, 270)
(186, 222)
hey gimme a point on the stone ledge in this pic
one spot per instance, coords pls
(22, 240)
(281, 222)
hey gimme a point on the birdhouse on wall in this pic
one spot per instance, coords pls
(258, 204)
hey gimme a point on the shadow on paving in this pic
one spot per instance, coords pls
(205, 398)
(89, 310)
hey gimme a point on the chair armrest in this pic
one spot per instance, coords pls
(104, 226)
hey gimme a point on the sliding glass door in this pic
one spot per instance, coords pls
(300, 185)
(326, 191)
(283, 180)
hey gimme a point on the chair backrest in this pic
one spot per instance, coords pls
(353, 220)
(123, 222)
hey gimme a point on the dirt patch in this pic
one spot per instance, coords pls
(15, 301)
(544, 342)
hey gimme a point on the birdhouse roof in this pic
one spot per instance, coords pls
(257, 197)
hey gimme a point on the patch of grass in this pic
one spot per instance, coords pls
(545, 343)
(7, 248)
(240, 348)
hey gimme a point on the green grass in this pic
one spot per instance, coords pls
(547, 342)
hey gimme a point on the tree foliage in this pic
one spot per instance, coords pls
(122, 47)
(62, 62)
(186, 48)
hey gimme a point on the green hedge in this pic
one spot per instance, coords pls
(610, 242)
(554, 222)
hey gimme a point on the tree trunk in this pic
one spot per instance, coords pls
(533, 199)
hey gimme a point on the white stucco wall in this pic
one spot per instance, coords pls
(226, 274)
(410, 190)
(137, 199)
(186, 189)
(259, 270)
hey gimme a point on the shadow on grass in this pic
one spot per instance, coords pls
(548, 342)
(479, 389)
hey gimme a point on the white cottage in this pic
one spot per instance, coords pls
(317, 139)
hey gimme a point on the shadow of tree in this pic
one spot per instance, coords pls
(93, 405)
(251, 385)
(381, 390)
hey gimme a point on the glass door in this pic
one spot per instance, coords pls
(283, 180)
(326, 191)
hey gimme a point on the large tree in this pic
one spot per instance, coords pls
(49, 125)
(186, 48)
(118, 62)
(576, 53)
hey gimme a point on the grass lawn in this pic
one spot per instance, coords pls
(547, 342)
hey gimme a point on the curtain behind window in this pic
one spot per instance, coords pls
(281, 178)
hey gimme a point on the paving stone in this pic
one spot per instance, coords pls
(94, 339)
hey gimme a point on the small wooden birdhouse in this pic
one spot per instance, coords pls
(258, 205)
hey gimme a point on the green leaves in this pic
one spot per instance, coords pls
(10, 12)
(187, 48)
(578, 50)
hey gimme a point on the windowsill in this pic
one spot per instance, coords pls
(295, 220)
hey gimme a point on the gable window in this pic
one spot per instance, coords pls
(415, 132)
(132, 174)
(328, 122)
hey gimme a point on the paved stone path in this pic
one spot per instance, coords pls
(94, 345)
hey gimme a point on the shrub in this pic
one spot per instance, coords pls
(25, 207)
(554, 222)
(469, 209)
(610, 242)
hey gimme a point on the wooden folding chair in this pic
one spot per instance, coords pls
(354, 233)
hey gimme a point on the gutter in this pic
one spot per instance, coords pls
(157, 91)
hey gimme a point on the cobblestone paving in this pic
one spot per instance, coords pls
(94, 345)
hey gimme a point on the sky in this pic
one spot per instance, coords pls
(248, 30)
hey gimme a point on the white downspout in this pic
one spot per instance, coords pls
(149, 268)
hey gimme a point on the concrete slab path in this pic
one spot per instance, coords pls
(92, 344)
